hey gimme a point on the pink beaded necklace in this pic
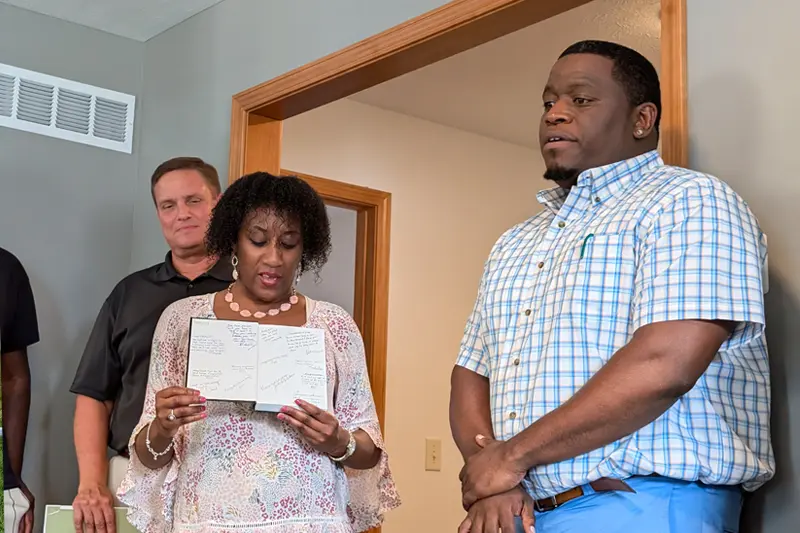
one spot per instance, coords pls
(236, 308)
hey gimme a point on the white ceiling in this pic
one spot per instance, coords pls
(495, 89)
(135, 19)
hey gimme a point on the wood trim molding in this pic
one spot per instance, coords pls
(371, 305)
(239, 119)
(262, 146)
(674, 90)
(446, 31)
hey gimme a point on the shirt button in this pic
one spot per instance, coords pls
(512, 415)
(562, 224)
(516, 361)
(191, 286)
(527, 312)
(541, 264)
(597, 199)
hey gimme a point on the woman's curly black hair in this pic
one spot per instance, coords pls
(286, 196)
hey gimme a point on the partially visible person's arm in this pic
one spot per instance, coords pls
(96, 385)
(469, 409)
(19, 330)
(470, 413)
(90, 428)
(16, 405)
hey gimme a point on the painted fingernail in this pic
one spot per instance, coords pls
(204, 414)
(202, 407)
(202, 399)
(281, 416)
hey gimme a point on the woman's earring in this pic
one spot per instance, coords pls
(293, 299)
(639, 132)
(234, 264)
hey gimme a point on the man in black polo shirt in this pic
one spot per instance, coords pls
(112, 376)
(19, 329)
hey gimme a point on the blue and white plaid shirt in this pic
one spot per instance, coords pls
(633, 243)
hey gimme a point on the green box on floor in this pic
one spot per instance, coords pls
(58, 519)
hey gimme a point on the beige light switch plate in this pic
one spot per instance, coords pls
(433, 455)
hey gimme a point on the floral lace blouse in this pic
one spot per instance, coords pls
(246, 471)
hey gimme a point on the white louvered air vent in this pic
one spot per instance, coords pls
(56, 107)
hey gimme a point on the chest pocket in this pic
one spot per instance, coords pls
(598, 278)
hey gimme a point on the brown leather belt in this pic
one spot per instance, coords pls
(601, 485)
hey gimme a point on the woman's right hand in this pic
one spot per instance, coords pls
(186, 405)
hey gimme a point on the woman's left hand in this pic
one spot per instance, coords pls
(318, 427)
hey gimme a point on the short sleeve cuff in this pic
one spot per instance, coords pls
(749, 317)
(473, 361)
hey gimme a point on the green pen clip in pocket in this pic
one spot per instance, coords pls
(585, 242)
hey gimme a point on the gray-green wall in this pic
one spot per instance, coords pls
(193, 70)
(66, 212)
(743, 116)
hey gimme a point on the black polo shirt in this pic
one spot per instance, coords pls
(19, 327)
(116, 360)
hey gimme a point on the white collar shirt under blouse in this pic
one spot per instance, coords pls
(633, 243)
(245, 471)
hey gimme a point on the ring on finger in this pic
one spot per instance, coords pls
(171, 415)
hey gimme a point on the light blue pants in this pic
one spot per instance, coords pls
(659, 505)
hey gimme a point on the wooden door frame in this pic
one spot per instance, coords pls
(257, 114)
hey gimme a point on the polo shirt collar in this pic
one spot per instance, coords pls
(221, 270)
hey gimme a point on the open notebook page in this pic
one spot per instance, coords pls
(223, 355)
(291, 366)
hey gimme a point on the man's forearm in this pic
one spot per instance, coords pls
(470, 413)
(16, 386)
(634, 388)
(16, 408)
(91, 439)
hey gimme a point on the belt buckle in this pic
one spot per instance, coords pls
(541, 509)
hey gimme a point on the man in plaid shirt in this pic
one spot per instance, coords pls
(613, 374)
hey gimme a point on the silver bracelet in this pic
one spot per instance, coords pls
(150, 449)
(349, 451)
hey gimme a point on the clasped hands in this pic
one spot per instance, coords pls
(491, 491)
(178, 406)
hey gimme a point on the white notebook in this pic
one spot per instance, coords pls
(243, 361)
